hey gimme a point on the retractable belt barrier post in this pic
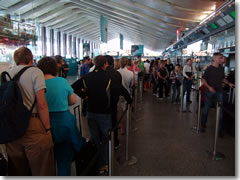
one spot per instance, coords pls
(130, 110)
(217, 155)
(140, 88)
(79, 116)
(111, 145)
(111, 153)
(127, 130)
(132, 160)
(135, 98)
(182, 98)
(199, 110)
(231, 95)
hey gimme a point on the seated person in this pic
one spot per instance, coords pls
(59, 95)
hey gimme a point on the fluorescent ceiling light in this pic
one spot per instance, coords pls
(206, 30)
(228, 18)
(221, 22)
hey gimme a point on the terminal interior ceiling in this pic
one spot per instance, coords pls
(153, 23)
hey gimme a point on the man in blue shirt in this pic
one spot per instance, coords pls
(84, 69)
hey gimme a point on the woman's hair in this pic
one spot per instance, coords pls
(22, 55)
(58, 59)
(48, 66)
(99, 61)
(129, 62)
(123, 62)
(116, 64)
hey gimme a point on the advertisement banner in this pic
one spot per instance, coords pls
(137, 50)
(104, 29)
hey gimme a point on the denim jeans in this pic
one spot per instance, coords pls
(176, 93)
(99, 125)
(187, 85)
(211, 98)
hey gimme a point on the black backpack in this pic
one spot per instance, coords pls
(14, 115)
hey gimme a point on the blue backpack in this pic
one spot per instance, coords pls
(14, 115)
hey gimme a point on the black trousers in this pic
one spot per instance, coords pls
(162, 84)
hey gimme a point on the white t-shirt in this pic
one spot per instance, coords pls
(147, 67)
(127, 78)
(31, 81)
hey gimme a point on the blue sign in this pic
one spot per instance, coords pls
(104, 29)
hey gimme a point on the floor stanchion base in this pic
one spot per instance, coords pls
(134, 129)
(195, 128)
(217, 157)
(131, 161)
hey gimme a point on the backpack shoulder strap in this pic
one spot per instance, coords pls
(18, 75)
(109, 82)
(4, 77)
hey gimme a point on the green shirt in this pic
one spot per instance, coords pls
(141, 66)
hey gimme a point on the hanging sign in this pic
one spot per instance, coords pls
(104, 29)
(121, 41)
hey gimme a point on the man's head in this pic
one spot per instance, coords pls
(218, 58)
(224, 60)
(23, 56)
(177, 67)
(168, 61)
(87, 60)
(59, 60)
(100, 62)
(139, 57)
(110, 60)
(189, 62)
(161, 64)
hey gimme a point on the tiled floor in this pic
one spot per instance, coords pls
(166, 145)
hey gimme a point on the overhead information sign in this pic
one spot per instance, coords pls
(137, 50)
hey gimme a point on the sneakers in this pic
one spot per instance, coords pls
(103, 170)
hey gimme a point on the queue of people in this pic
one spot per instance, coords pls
(52, 135)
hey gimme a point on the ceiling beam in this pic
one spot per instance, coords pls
(39, 8)
(114, 11)
(110, 12)
(64, 16)
(147, 8)
(17, 7)
(54, 12)
(128, 23)
(84, 29)
(76, 26)
(66, 22)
